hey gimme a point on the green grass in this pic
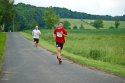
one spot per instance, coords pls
(104, 45)
(78, 22)
(100, 49)
(2, 47)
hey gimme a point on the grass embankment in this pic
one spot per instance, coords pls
(100, 49)
(2, 47)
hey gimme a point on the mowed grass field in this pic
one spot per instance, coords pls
(2, 45)
(86, 24)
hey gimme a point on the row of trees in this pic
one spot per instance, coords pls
(25, 16)
(51, 19)
(66, 13)
(7, 14)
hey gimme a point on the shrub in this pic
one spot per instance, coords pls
(111, 27)
(81, 27)
(75, 27)
(67, 24)
(97, 24)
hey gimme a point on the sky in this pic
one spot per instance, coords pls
(96, 7)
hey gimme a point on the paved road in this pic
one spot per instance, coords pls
(26, 64)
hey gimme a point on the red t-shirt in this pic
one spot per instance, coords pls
(59, 36)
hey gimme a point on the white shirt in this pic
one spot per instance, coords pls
(36, 33)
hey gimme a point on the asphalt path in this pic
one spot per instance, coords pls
(26, 64)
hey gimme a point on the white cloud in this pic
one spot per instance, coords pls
(101, 7)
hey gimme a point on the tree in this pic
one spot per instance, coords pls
(81, 27)
(75, 27)
(50, 18)
(98, 24)
(117, 23)
(28, 16)
(67, 24)
(7, 13)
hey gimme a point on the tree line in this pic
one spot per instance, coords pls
(66, 13)
(24, 16)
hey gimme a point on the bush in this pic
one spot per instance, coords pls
(111, 27)
(117, 23)
(97, 24)
(75, 27)
(67, 24)
(81, 27)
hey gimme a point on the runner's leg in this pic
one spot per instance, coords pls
(59, 52)
(34, 42)
(37, 41)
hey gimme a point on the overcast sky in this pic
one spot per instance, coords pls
(98, 7)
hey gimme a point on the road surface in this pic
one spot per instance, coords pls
(26, 64)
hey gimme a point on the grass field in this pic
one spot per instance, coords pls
(78, 22)
(2, 47)
(102, 49)
(103, 45)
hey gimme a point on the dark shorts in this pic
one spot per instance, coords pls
(36, 40)
(59, 45)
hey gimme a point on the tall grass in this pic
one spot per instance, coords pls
(102, 45)
(2, 45)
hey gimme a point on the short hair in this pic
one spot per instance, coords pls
(36, 27)
(60, 22)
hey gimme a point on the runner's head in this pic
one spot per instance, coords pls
(60, 24)
(36, 27)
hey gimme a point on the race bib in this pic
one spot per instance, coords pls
(59, 34)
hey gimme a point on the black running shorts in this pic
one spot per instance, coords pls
(59, 45)
(36, 40)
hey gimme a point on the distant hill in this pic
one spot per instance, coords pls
(28, 16)
(66, 13)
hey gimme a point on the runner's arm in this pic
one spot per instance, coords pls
(39, 33)
(54, 35)
(65, 35)
(32, 33)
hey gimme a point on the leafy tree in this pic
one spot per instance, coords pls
(28, 16)
(75, 27)
(98, 24)
(7, 13)
(81, 27)
(117, 23)
(50, 18)
(67, 24)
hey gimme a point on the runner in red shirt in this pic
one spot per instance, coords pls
(59, 34)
